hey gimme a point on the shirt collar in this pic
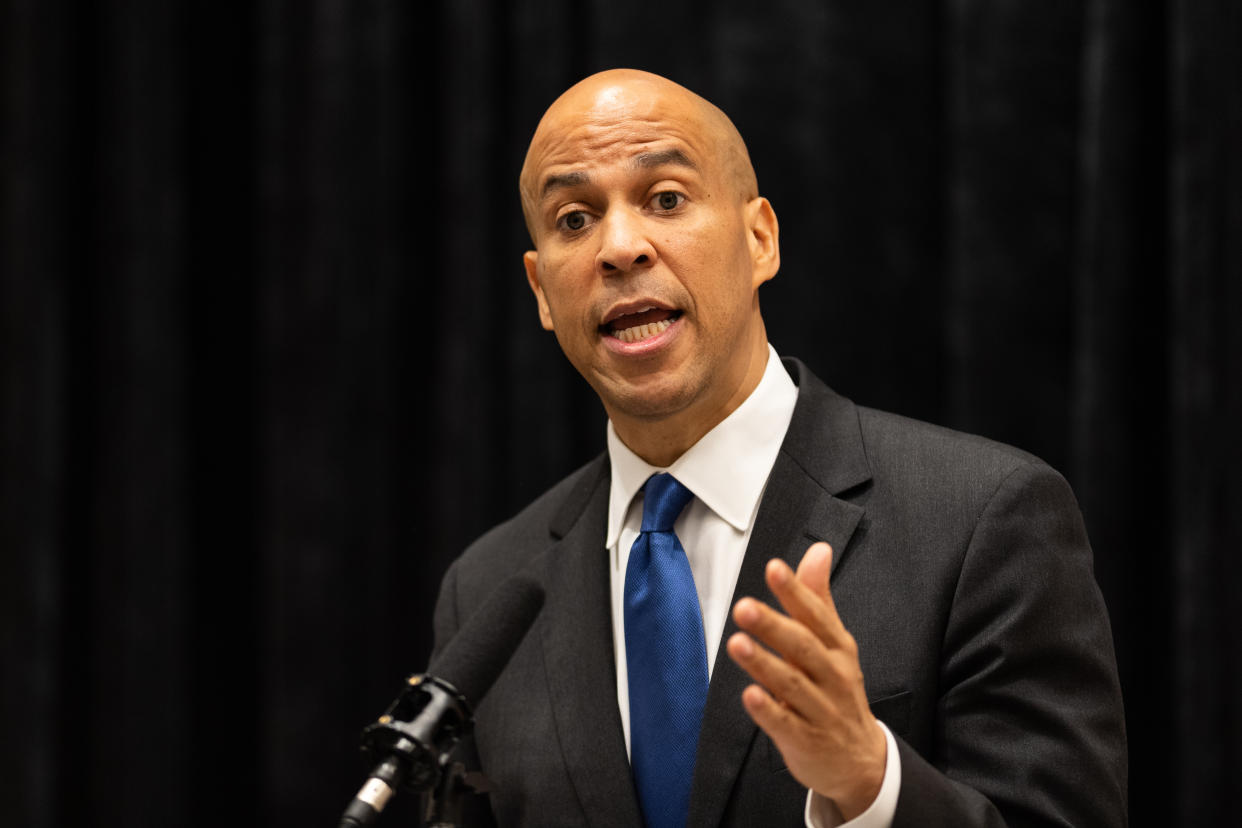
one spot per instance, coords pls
(728, 467)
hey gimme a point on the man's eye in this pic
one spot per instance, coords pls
(573, 221)
(668, 200)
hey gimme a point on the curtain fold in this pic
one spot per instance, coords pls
(1204, 371)
(270, 360)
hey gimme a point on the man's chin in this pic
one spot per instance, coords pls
(652, 400)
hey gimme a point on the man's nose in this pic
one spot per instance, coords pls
(624, 243)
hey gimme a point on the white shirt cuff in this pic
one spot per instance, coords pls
(822, 812)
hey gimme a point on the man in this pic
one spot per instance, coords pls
(958, 672)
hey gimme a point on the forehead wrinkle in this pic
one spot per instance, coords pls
(648, 160)
(563, 180)
(641, 161)
(591, 145)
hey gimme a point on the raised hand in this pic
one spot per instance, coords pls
(809, 697)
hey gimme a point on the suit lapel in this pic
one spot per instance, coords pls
(821, 456)
(579, 660)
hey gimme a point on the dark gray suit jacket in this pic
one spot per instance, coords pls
(963, 571)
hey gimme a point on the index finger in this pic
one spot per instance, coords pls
(805, 596)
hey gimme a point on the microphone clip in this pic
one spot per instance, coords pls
(418, 731)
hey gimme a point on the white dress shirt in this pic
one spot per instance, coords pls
(727, 471)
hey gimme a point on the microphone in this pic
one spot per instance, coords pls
(414, 737)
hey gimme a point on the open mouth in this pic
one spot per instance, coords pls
(640, 325)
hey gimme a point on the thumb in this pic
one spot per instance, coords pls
(815, 567)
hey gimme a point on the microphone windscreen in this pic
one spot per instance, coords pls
(473, 658)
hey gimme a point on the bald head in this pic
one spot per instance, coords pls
(630, 97)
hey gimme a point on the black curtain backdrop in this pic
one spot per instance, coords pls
(269, 360)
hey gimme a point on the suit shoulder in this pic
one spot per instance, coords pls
(935, 457)
(514, 542)
(842, 444)
(888, 428)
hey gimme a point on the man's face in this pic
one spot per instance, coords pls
(649, 255)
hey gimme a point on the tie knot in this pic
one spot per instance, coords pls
(663, 499)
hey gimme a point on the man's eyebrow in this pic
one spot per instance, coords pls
(569, 179)
(647, 160)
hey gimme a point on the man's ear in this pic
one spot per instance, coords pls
(531, 260)
(763, 235)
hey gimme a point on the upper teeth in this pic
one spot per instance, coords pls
(640, 332)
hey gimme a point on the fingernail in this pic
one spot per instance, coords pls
(752, 697)
(746, 613)
(744, 648)
(778, 571)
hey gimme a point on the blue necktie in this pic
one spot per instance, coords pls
(666, 657)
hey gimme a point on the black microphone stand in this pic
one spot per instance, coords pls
(411, 745)
(413, 740)
(445, 803)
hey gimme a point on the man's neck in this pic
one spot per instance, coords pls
(660, 441)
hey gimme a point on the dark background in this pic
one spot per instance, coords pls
(269, 361)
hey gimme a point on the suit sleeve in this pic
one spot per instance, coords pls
(1029, 728)
(444, 621)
